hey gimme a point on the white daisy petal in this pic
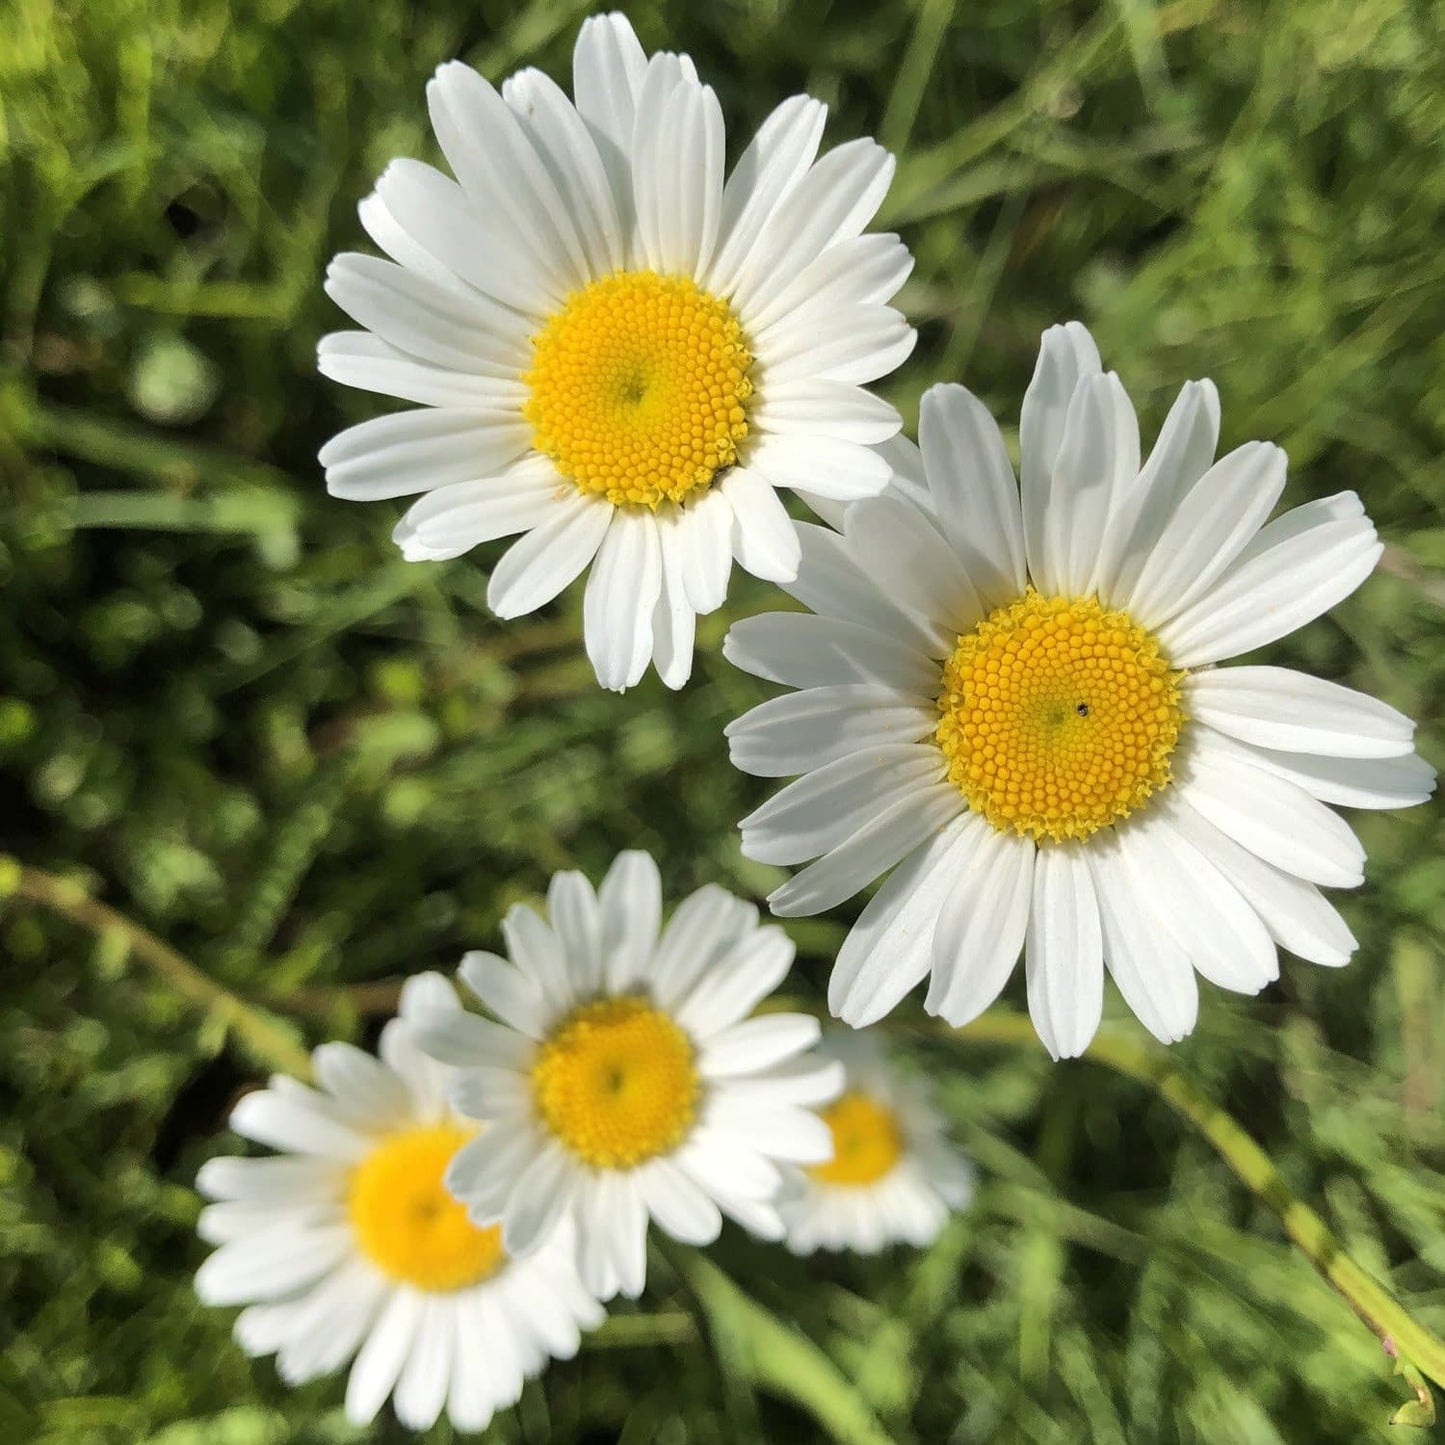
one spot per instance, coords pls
(414, 451)
(512, 995)
(1352, 782)
(678, 177)
(437, 219)
(1066, 355)
(622, 592)
(484, 1171)
(1064, 952)
(1272, 817)
(359, 359)
(538, 1200)
(608, 66)
(487, 149)
(630, 901)
(982, 922)
(827, 466)
(1276, 707)
(268, 1264)
(566, 149)
(700, 932)
(421, 1389)
(369, 1090)
(801, 650)
(753, 968)
(576, 916)
(1152, 971)
(1202, 910)
(453, 519)
(383, 1356)
(826, 807)
(458, 1037)
(833, 202)
(381, 223)
(299, 1181)
(851, 344)
(543, 562)
(537, 951)
(296, 1126)
(1296, 913)
(674, 622)
(911, 564)
(756, 1044)
(777, 156)
(1210, 527)
(330, 1323)
(432, 323)
(706, 540)
(891, 946)
(803, 730)
(678, 1203)
(830, 582)
(974, 495)
(1182, 454)
(763, 539)
(1297, 567)
(795, 1136)
(862, 271)
(1081, 489)
(805, 408)
(891, 834)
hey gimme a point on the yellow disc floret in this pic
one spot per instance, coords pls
(639, 388)
(407, 1223)
(1058, 717)
(617, 1083)
(867, 1141)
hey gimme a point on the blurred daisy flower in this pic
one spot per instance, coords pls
(1009, 691)
(893, 1178)
(350, 1245)
(617, 352)
(626, 1081)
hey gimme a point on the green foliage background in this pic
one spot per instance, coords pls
(232, 712)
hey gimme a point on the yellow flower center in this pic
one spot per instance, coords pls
(867, 1141)
(639, 388)
(617, 1083)
(1058, 718)
(406, 1222)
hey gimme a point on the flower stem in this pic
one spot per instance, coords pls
(1401, 1334)
(268, 1042)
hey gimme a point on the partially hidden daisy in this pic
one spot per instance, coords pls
(626, 1080)
(618, 351)
(894, 1178)
(1009, 691)
(348, 1244)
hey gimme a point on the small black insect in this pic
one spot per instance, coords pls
(1082, 709)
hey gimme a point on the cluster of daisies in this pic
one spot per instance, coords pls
(454, 1213)
(1001, 691)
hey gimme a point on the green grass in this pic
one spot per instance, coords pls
(235, 715)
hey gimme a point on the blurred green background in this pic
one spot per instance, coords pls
(229, 710)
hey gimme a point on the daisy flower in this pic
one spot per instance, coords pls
(1009, 691)
(625, 1081)
(349, 1245)
(893, 1177)
(618, 352)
